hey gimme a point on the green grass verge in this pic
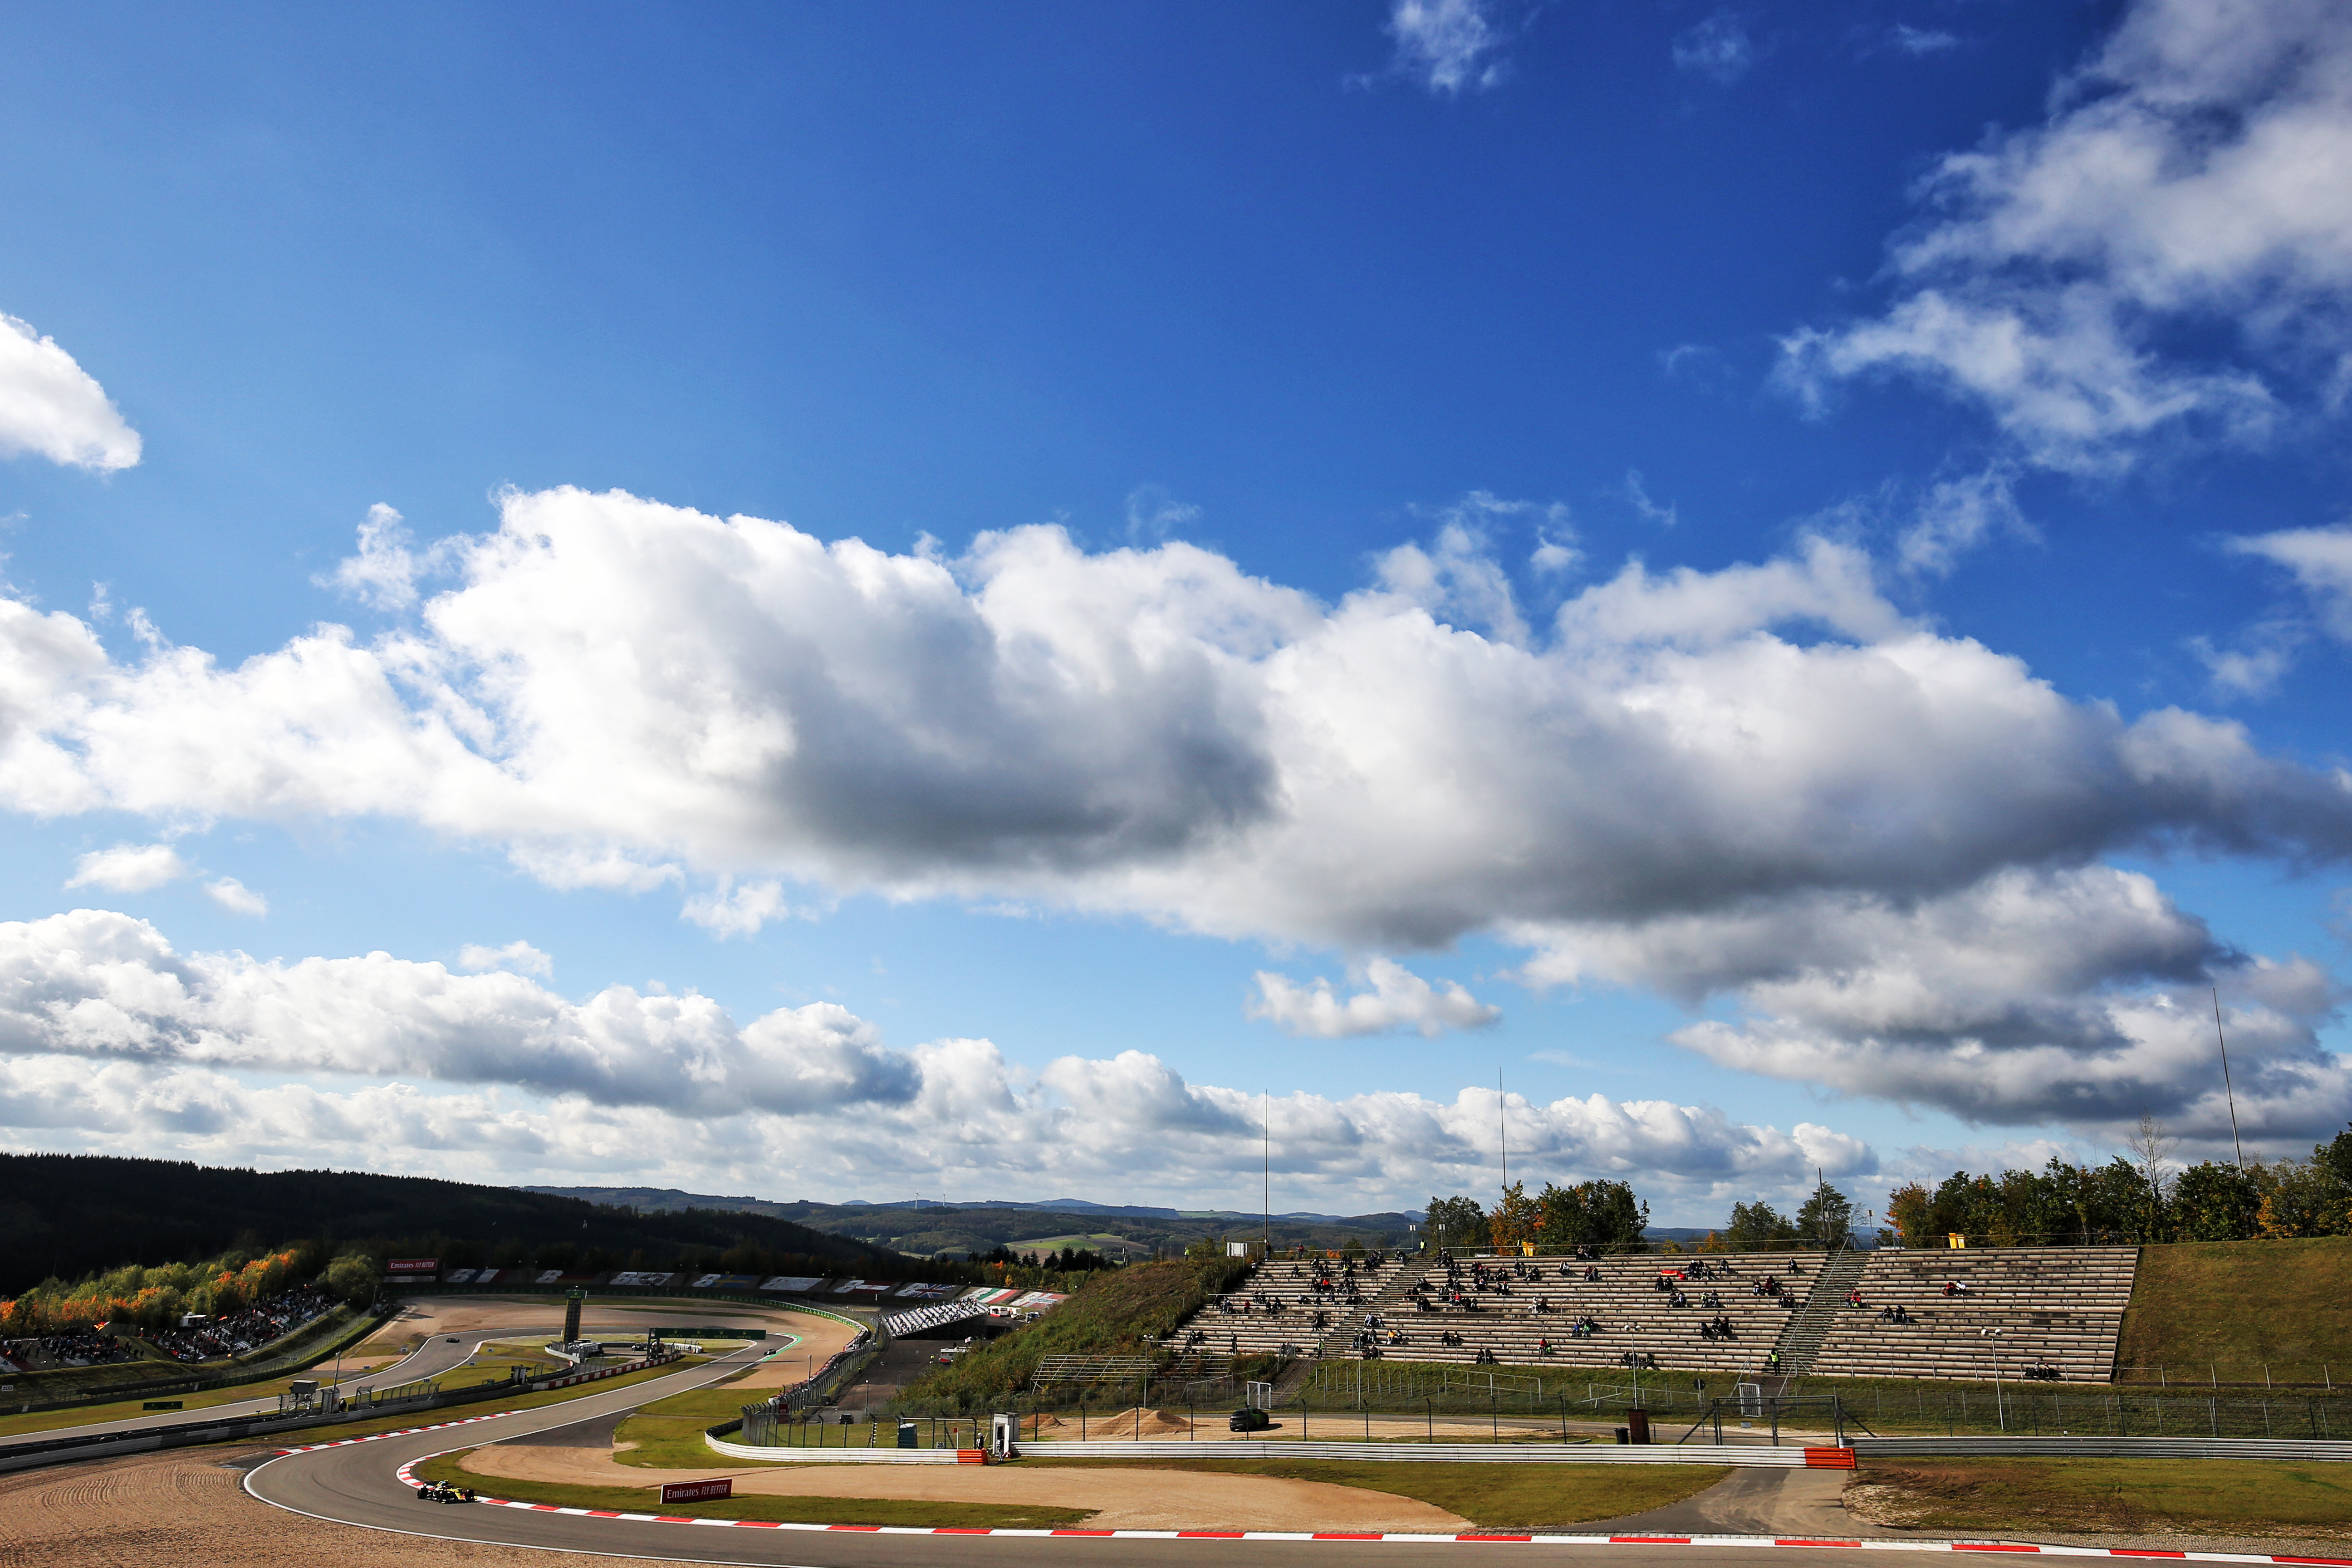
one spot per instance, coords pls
(2225, 1310)
(786, 1510)
(1492, 1496)
(2187, 1497)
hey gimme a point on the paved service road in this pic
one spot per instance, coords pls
(356, 1485)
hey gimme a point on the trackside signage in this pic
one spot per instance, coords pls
(413, 1266)
(696, 1492)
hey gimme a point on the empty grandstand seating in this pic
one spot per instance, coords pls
(937, 1316)
(2026, 1307)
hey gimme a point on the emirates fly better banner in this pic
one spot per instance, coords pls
(696, 1492)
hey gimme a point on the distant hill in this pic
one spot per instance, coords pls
(926, 1228)
(72, 1214)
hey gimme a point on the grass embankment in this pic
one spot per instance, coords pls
(2224, 1310)
(668, 1434)
(2137, 1497)
(1492, 1496)
(1120, 1311)
(786, 1510)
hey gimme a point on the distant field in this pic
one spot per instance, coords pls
(1104, 1242)
(2223, 1311)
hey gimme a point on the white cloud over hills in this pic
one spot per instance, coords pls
(111, 1039)
(1762, 785)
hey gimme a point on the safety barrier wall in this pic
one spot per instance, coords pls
(69, 1450)
(1758, 1455)
(2283, 1449)
(846, 1456)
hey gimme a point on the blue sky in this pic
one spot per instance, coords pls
(980, 588)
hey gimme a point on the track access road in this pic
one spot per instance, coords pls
(356, 1484)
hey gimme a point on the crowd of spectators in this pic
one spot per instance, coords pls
(235, 1334)
(80, 1348)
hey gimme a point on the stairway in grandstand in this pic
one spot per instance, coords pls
(1381, 1303)
(1272, 1310)
(1801, 1337)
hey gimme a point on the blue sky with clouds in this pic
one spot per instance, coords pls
(825, 602)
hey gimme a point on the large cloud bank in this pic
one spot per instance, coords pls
(112, 1039)
(1761, 783)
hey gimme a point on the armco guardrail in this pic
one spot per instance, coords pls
(109, 1445)
(849, 1455)
(2095, 1448)
(1757, 1455)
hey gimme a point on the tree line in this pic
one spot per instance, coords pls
(1597, 1214)
(2135, 1197)
(68, 1217)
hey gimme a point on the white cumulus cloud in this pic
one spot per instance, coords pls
(1398, 999)
(1448, 46)
(51, 407)
(519, 956)
(129, 868)
(2195, 174)
(236, 897)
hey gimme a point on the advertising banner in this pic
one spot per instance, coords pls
(413, 1266)
(696, 1492)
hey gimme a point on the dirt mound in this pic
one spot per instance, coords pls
(1138, 1423)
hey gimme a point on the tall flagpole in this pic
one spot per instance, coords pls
(1265, 1166)
(2225, 1078)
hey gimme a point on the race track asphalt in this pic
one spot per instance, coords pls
(356, 1484)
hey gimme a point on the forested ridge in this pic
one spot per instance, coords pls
(68, 1216)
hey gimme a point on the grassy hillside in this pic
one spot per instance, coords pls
(1112, 1313)
(66, 1215)
(2222, 1311)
